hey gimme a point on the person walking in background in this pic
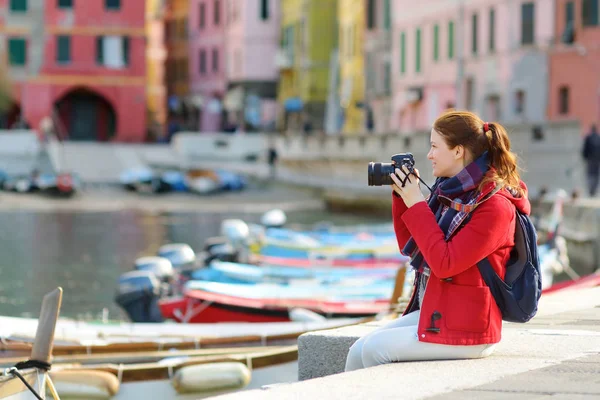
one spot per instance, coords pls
(272, 158)
(591, 155)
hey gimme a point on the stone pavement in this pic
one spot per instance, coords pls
(557, 355)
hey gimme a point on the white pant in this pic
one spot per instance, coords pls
(398, 341)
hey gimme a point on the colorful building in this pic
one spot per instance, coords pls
(180, 109)
(575, 63)
(252, 37)
(378, 65)
(207, 61)
(309, 34)
(82, 64)
(499, 69)
(156, 55)
(351, 20)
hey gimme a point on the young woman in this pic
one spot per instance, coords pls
(452, 314)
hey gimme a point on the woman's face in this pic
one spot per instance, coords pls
(445, 162)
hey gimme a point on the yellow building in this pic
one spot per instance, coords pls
(176, 39)
(351, 19)
(308, 38)
(156, 91)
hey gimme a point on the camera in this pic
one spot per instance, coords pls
(379, 173)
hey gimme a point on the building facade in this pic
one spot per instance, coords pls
(252, 43)
(575, 63)
(491, 57)
(309, 35)
(156, 56)
(83, 65)
(351, 20)
(378, 64)
(207, 61)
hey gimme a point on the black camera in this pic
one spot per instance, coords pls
(379, 173)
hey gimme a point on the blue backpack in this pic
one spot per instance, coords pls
(518, 294)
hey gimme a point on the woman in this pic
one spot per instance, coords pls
(452, 314)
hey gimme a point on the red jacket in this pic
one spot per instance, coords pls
(455, 289)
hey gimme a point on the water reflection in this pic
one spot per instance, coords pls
(86, 252)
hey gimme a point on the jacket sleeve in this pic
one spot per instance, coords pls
(398, 208)
(481, 236)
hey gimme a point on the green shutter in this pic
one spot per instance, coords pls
(99, 50)
(126, 48)
(436, 42)
(17, 51)
(418, 51)
(387, 16)
(18, 5)
(65, 3)
(450, 40)
(402, 53)
(63, 49)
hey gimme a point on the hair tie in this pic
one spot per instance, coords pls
(486, 127)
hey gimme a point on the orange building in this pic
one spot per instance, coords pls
(575, 63)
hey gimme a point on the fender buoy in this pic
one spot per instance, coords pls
(85, 384)
(64, 183)
(211, 377)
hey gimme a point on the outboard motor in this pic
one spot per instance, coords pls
(161, 267)
(275, 218)
(237, 233)
(138, 295)
(180, 255)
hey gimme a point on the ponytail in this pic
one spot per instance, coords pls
(503, 161)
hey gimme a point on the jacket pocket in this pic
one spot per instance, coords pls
(468, 308)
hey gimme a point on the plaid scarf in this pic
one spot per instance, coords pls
(451, 200)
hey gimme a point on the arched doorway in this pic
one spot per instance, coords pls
(86, 116)
(10, 118)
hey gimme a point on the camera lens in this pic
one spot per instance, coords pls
(379, 173)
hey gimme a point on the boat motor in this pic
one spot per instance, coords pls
(161, 267)
(138, 293)
(275, 218)
(180, 255)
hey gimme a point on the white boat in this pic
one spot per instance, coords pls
(30, 380)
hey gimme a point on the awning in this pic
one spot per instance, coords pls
(293, 104)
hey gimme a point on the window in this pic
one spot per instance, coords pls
(519, 102)
(65, 4)
(112, 4)
(18, 5)
(589, 12)
(201, 11)
(418, 51)
(202, 62)
(387, 15)
(527, 23)
(436, 42)
(371, 14)
(63, 49)
(568, 34)
(450, 40)
(492, 27)
(469, 93)
(264, 10)
(17, 51)
(402, 53)
(563, 100)
(112, 51)
(215, 60)
(474, 34)
(217, 12)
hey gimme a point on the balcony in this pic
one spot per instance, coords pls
(284, 59)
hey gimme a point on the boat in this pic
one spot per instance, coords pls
(29, 379)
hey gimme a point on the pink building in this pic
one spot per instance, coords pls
(487, 56)
(252, 42)
(575, 64)
(207, 60)
(378, 64)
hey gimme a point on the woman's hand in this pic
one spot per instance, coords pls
(411, 192)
